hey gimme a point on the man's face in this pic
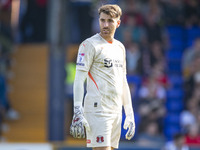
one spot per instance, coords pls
(108, 25)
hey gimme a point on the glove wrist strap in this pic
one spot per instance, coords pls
(78, 110)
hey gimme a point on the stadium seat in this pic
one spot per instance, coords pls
(177, 44)
(174, 54)
(170, 130)
(177, 48)
(175, 32)
(175, 93)
(174, 105)
(176, 80)
(174, 66)
(173, 119)
(192, 33)
(134, 79)
(189, 42)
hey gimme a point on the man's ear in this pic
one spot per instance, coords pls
(118, 23)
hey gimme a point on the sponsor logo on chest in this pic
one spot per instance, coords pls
(112, 63)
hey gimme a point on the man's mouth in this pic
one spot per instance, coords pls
(106, 31)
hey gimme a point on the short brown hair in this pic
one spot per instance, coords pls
(112, 10)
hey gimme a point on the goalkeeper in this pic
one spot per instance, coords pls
(101, 59)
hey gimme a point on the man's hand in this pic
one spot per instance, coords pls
(78, 123)
(130, 124)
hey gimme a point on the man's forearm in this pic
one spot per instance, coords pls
(127, 101)
(79, 87)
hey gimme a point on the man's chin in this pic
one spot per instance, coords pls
(105, 34)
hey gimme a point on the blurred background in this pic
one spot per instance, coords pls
(39, 40)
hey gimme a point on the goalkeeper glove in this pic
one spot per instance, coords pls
(78, 123)
(129, 123)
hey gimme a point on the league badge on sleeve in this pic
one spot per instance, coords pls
(80, 59)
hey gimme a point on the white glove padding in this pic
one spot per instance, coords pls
(78, 123)
(130, 124)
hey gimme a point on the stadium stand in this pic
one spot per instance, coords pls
(180, 38)
(29, 95)
(174, 103)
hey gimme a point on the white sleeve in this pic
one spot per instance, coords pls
(85, 56)
(79, 87)
(127, 101)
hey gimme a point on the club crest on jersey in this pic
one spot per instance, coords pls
(80, 59)
(100, 139)
(108, 63)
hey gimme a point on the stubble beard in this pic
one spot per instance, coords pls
(106, 33)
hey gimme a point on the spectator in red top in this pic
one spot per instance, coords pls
(193, 136)
(160, 75)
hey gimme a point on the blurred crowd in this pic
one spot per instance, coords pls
(190, 117)
(32, 21)
(6, 48)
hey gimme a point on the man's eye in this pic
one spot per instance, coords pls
(110, 21)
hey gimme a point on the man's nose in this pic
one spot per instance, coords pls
(105, 24)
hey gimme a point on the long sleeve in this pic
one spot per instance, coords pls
(79, 87)
(127, 101)
(130, 120)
